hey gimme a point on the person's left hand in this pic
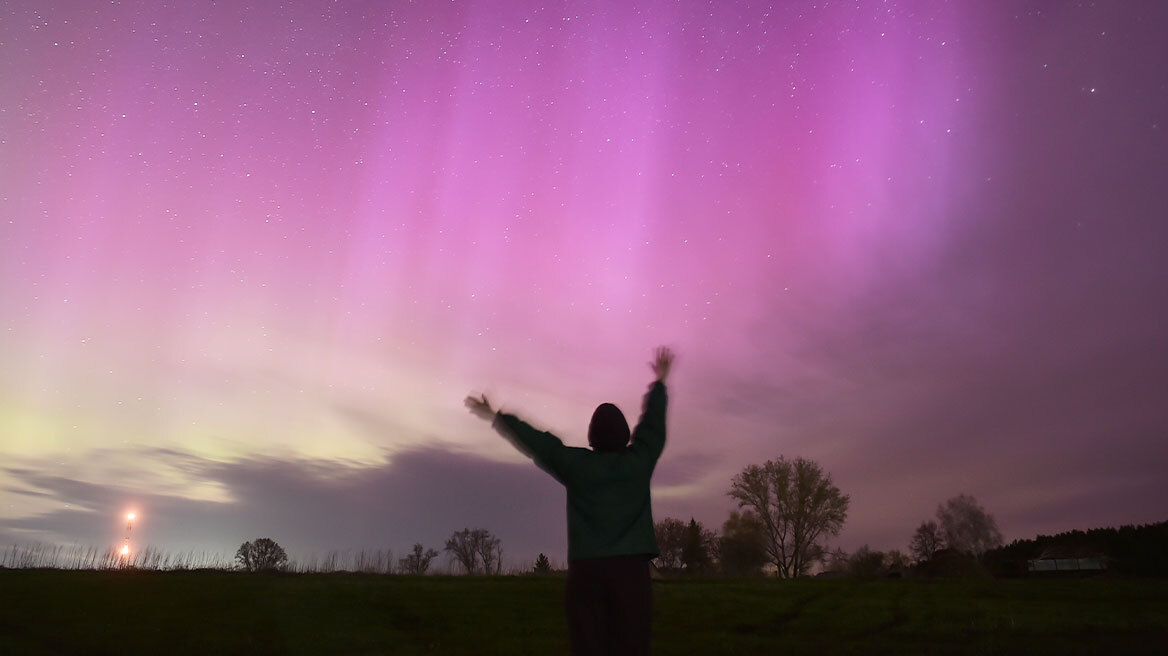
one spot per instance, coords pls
(481, 407)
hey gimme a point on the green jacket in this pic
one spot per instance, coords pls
(609, 510)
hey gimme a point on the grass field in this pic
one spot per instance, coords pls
(130, 612)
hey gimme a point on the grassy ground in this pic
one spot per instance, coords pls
(120, 612)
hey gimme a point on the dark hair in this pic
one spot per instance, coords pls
(608, 430)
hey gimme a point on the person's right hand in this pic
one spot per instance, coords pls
(662, 362)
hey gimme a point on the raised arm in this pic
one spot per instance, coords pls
(541, 446)
(649, 435)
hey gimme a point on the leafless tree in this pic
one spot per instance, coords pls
(967, 526)
(926, 541)
(671, 534)
(490, 552)
(471, 548)
(461, 547)
(418, 561)
(835, 560)
(797, 504)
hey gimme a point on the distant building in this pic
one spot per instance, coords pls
(1068, 561)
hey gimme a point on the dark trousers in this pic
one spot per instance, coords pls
(610, 606)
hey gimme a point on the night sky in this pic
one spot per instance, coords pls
(253, 256)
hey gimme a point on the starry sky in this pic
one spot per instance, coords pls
(253, 256)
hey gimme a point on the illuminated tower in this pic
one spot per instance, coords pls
(125, 552)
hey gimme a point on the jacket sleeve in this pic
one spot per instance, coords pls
(649, 435)
(544, 448)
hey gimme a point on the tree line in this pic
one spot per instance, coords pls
(787, 510)
(1131, 550)
(473, 550)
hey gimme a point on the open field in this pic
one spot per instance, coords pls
(133, 612)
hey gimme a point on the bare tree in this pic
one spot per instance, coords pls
(671, 535)
(835, 560)
(461, 547)
(418, 561)
(797, 504)
(476, 550)
(262, 555)
(926, 541)
(490, 552)
(967, 526)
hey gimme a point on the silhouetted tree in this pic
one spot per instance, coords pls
(670, 543)
(895, 562)
(461, 547)
(417, 562)
(695, 550)
(798, 505)
(967, 527)
(490, 552)
(951, 563)
(476, 550)
(543, 566)
(262, 555)
(835, 560)
(742, 545)
(1133, 550)
(926, 541)
(865, 563)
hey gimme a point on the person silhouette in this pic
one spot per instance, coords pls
(609, 596)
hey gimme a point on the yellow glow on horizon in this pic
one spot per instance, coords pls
(125, 550)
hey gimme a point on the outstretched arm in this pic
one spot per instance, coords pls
(544, 448)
